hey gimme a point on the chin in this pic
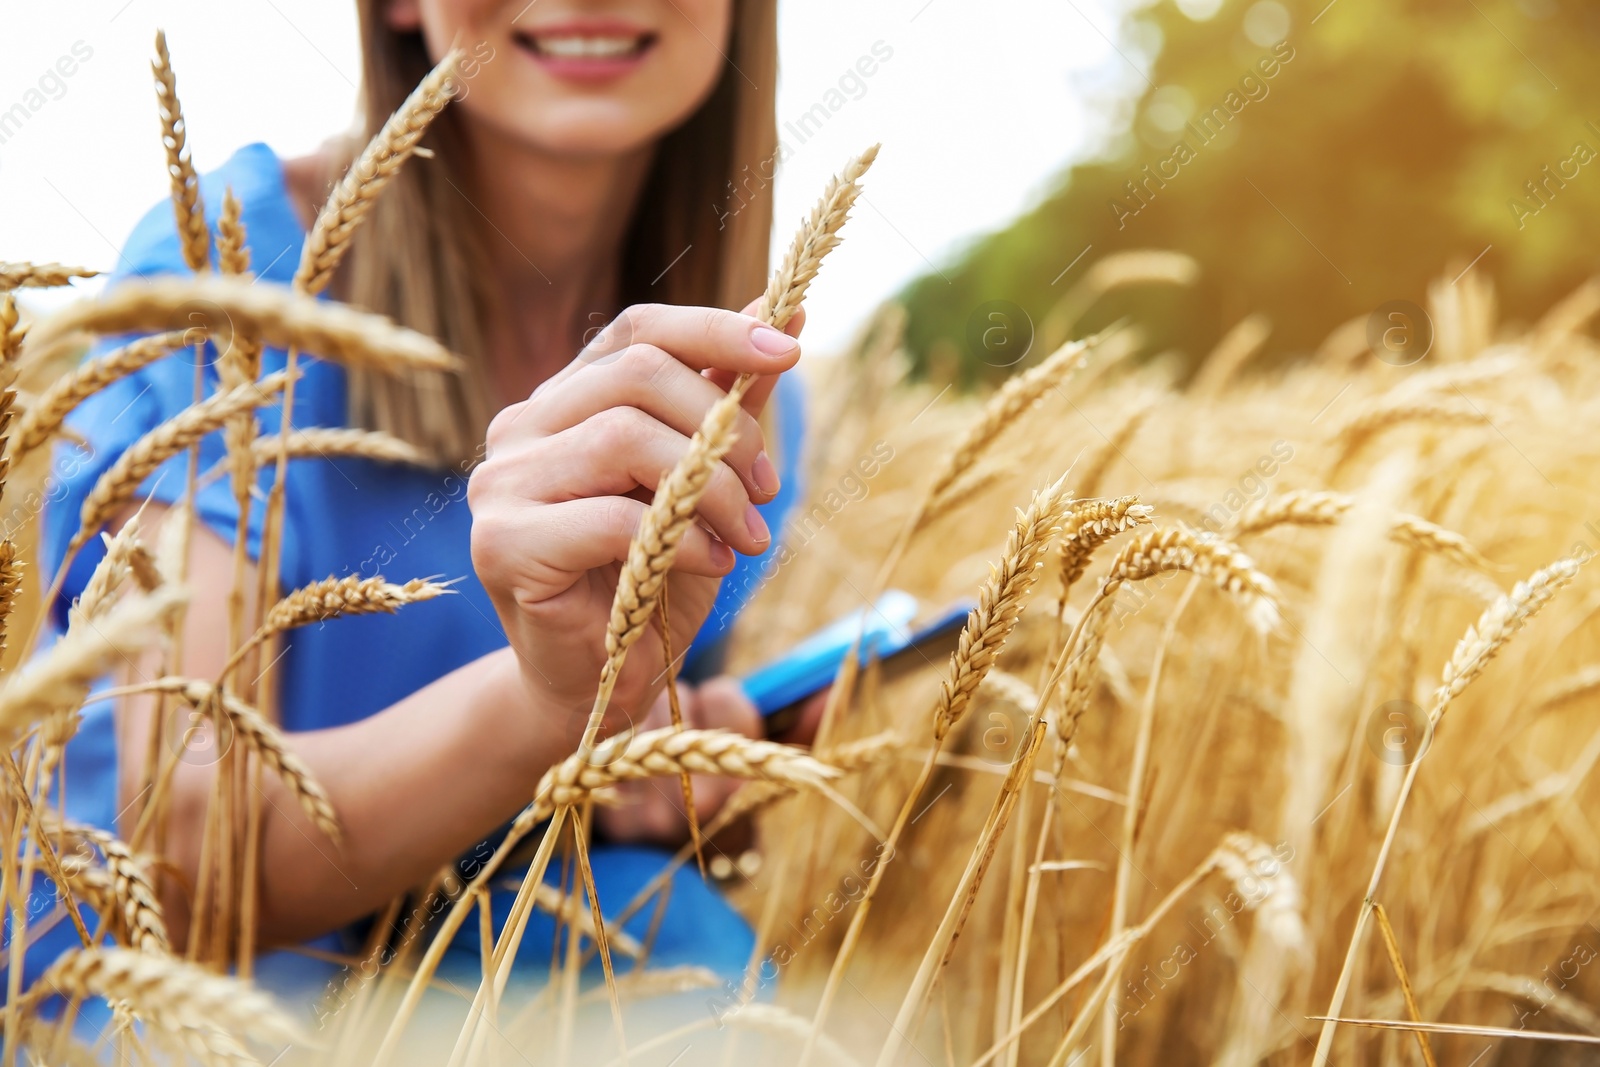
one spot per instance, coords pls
(589, 128)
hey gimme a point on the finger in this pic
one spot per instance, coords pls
(622, 449)
(547, 545)
(755, 398)
(721, 704)
(652, 380)
(704, 339)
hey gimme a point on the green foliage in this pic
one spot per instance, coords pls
(1384, 146)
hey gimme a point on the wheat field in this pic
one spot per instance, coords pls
(1266, 741)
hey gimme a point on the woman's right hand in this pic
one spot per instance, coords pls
(569, 472)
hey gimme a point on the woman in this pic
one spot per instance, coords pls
(582, 169)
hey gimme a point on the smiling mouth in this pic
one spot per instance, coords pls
(586, 47)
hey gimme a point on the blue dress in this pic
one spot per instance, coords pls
(344, 517)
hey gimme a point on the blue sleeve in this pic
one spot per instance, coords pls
(114, 418)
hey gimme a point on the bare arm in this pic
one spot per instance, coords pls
(414, 785)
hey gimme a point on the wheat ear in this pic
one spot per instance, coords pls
(11, 334)
(324, 442)
(141, 459)
(1481, 643)
(276, 314)
(1089, 525)
(264, 739)
(131, 891)
(819, 234)
(1307, 508)
(193, 236)
(50, 409)
(358, 190)
(10, 585)
(1497, 625)
(125, 556)
(22, 275)
(664, 753)
(1166, 549)
(331, 598)
(1000, 603)
(170, 993)
(60, 677)
(319, 442)
(1393, 412)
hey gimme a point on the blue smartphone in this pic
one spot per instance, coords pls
(889, 630)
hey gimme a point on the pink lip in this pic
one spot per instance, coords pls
(586, 68)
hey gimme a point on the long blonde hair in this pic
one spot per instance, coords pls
(418, 258)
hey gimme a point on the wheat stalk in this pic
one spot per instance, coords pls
(169, 993)
(361, 185)
(60, 677)
(988, 626)
(49, 410)
(1481, 643)
(274, 313)
(665, 753)
(23, 275)
(193, 237)
(1000, 603)
(118, 484)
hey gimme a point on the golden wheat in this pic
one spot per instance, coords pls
(170, 993)
(60, 677)
(1000, 602)
(19, 275)
(193, 237)
(361, 185)
(224, 306)
(121, 482)
(44, 417)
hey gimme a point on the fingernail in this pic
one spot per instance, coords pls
(772, 342)
(757, 525)
(765, 475)
(721, 555)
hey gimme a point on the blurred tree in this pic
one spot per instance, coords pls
(1317, 160)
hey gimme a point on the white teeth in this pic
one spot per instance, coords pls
(572, 47)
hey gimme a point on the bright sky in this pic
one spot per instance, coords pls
(978, 107)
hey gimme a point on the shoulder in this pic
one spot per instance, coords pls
(272, 223)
